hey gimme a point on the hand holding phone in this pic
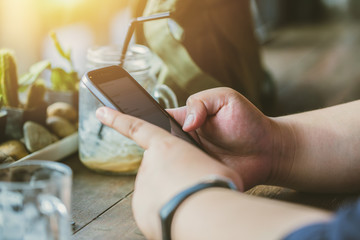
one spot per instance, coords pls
(117, 89)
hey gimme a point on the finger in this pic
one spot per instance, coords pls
(142, 132)
(204, 104)
(179, 114)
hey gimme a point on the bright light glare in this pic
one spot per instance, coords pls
(66, 3)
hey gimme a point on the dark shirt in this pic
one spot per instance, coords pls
(344, 226)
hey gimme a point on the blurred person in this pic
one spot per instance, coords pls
(207, 44)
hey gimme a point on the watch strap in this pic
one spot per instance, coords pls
(168, 210)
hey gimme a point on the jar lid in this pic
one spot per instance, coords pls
(137, 57)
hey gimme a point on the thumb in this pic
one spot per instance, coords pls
(203, 104)
(196, 113)
(179, 114)
(191, 116)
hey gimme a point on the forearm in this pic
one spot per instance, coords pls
(324, 149)
(222, 214)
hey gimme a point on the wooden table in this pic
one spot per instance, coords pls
(101, 204)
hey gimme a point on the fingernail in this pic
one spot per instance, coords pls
(189, 120)
(101, 113)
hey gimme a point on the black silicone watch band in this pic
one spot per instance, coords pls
(168, 210)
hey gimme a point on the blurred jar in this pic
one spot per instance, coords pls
(100, 147)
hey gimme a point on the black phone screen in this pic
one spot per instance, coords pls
(130, 98)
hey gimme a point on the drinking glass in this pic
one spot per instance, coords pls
(35, 198)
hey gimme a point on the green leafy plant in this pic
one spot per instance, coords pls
(61, 80)
(10, 85)
(33, 75)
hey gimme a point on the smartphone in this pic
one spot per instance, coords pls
(117, 89)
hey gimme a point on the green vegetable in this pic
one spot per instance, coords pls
(10, 85)
(34, 73)
(8, 79)
(1, 101)
(36, 94)
(60, 79)
(63, 81)
(66, 55)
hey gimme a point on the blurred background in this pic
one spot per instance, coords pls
(309, 47)
(79, 24)
(312, 50)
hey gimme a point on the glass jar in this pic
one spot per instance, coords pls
(101, 148)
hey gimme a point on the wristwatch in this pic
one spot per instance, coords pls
(168, 210)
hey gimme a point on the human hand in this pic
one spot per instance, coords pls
(234, 131)
(169, 165)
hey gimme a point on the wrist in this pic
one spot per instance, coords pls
(284, 145)
(206, 215)
(168, 211)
